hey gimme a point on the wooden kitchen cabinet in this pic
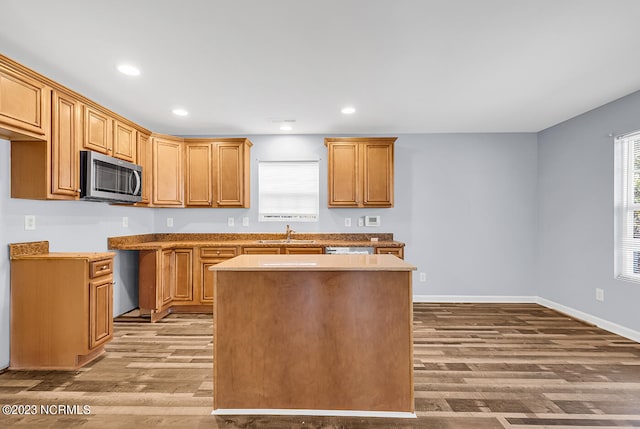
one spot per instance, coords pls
(304, 250)
(232, 173)
(261, 251)
(198, 174)
(217, 172)
(165, 280)
(49, 169)
(104, 134)
(124, 141)
(167, 171)
(360, 171)
(210, 256)
(145, 160)
(97, 129)
(396, 251)
(61, 308)
(24, 101)
(183, 274)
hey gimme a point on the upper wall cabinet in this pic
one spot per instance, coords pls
(360, 171)
(167, 171)
(48, 125)
(106, 135)
(217, 172)
(145, 160)
(23, 106)
(48, 169)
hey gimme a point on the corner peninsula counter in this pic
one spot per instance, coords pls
(313, 334)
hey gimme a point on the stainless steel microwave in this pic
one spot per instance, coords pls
(105, 178)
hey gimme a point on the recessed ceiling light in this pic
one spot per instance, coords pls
(286, 128)
(348, 110)
(180, 112)
(129, 70)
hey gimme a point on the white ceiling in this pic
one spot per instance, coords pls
(408, 66)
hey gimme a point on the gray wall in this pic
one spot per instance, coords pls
(464, 204)
(575, 213)
(69, 226)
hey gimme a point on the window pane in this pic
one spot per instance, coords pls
(636, 262)
(636, 224)
(636, 155)
(636, 188)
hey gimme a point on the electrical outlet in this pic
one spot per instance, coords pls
(245, 221)
(29, 222)
(423, 277)
(347, 221)
(170, 222)
(230, 221)
(599, 294)
(125, 221)
(360, 221)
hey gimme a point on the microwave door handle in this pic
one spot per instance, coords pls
(138, 182)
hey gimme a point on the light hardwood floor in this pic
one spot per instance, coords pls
(476, 366)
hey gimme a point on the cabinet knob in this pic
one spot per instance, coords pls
(104, 267)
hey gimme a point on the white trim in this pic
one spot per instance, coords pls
(296, 412)
(600, 323)
(474, 298)
(586, 317)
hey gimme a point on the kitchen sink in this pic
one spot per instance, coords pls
(285, 241)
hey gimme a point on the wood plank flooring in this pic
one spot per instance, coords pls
(476, 366)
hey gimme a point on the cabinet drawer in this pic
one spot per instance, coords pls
(218, 252)
(396, 251)
(100, 268)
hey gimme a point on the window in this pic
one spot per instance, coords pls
(288, 191)
(627, 205)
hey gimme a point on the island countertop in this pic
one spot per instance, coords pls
(322, 262)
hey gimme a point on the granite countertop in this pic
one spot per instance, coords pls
(313, 263)
(40, 250)
(171, 240)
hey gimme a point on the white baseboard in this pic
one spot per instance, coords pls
(474, 298)
(292, 412)
(615, 328)
(623, 331)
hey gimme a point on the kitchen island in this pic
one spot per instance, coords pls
(313, 335)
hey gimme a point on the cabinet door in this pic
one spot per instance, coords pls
(230, 174)
(65, 132)
(377, 168)
(97, 131)
(167, 279)
(144, 159)
(167, 172)
(206, 294)
(211, 256)
(100, 311)
(124, 142)
(199, 166)
(343, 175)
(183, 263)
(23, 104)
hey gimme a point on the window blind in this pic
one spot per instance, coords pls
(627, 202)
(288, 191)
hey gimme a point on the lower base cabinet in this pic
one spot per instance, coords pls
(61, 309)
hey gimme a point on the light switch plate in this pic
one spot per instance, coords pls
(29, 222)
(230, 221)
(245, 221)
(347, 221)
(423, 277)
(599, 294)
(125, 221)
(169, 221)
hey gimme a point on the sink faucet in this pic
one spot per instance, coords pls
(289, 232)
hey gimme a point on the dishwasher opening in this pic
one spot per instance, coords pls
(348, 250)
